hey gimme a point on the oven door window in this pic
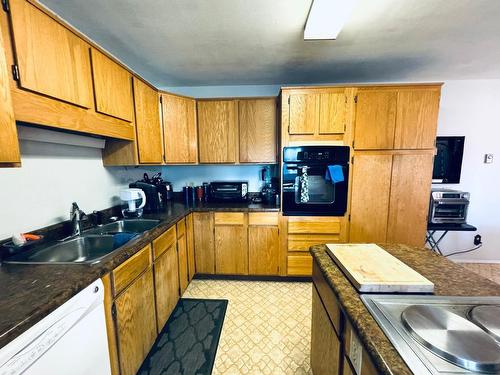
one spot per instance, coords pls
(319, 191)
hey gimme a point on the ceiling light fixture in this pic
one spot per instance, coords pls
(327, 17)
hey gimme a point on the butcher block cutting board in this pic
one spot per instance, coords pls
(371, 269)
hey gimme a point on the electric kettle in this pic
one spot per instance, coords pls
(133, 201)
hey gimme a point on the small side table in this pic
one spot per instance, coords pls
(445, 228)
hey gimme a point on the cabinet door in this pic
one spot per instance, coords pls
(147, 123)
(136, 323)
(112, 87)
(257, 120)
(304, 113)
(371, 186)
(9, 145)
(217, 131)
(325, 345)
(179, 129)
(332, 113)
(409, 199)
(190, 246)
(375, 119)
(166, 284)
(183, 263)
(204, 249)
(263, 250)
(51, 59)
(231, 249)
(417, 115)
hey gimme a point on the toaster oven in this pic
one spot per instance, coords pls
(228, 191)
(448, 206)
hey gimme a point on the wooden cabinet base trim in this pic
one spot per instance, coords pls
(39, 110)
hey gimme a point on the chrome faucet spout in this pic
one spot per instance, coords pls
(76, 216)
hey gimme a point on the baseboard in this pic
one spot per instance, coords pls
(253, 278)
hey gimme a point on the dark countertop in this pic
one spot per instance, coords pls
(450, 279)
(31, 292)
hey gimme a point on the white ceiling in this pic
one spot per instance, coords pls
(240, 42)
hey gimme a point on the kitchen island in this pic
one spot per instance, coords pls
(346, 339)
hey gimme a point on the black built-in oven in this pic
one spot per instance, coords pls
(315, 180)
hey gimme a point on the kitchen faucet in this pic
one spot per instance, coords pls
(76, 215)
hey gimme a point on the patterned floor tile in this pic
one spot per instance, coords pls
(267, 328)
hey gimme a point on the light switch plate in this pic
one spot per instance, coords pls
(488, 158)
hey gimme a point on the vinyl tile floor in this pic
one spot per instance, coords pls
(267, 328)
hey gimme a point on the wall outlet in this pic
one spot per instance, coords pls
(488, 158)
(477, 239)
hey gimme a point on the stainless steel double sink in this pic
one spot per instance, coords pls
(91, 247)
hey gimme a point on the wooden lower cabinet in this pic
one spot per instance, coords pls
(183, 264)
(190, 246)
(203, 224)
(231, 249)
(386, 187)
(166, 284)
(263, 250)
(135, 322)
(305, 231)
(325, 345)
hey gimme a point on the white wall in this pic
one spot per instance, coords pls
(472, 109)
(197, 174)
(51, 177)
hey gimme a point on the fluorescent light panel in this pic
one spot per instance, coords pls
(327, 17)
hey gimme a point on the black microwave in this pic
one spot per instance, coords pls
(228, 191)
(315, 180)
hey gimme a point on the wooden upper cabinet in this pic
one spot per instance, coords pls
(409, 198)
(332, 112)
(112, 87)
(147, 123)
(371, 187)
(179, 129)
(257, 119)
(304, 113)
(396, 118)
(375, 119)
(217, 131)
(416, 120)
(51, 59)
(9, 145)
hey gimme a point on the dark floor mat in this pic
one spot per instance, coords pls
(188, 342)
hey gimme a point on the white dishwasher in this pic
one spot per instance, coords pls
(70, 340)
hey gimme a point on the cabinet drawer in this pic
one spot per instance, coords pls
(313, 224)
(299, 265)
(302, 242)
(328, 298)
(126, 272)
(164, 241)
(229, 218)
(181, 228)
(263, 218)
